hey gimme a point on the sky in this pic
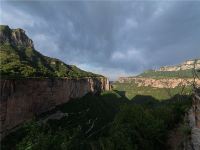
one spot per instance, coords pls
(112, 38)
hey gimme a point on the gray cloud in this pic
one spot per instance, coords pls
(109, 37)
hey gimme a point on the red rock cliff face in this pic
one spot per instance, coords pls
(22, 99)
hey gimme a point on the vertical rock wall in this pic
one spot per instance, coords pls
(194, 121)
(22, 99)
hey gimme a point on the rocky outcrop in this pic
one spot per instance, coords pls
(194, 122)
(22, 99)
(16, 37)
(158, 83)
(196, 107)
(189, 64)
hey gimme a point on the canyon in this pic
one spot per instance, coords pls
(22, 99)
(33, 84)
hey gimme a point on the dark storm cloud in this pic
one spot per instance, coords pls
(113, 38)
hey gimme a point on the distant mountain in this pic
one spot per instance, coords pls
(185, 70)
(20, 59)
(187, 65)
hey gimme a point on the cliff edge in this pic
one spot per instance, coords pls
(32, 83)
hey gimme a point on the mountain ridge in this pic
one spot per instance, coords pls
(167, 76)
(183, 70)
(188, 64)
(20, 59)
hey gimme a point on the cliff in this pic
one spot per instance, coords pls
(32, 83)
(194, 122)
(189, 64)
(167, 76)
(183, 70)
(159, 83)
(15, 37)
(22, 99)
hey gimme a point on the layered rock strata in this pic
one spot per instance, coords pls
(159, 83)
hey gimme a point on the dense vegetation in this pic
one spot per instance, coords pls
(26, 62)
(22, 61)
(106, 122)
(168, 74)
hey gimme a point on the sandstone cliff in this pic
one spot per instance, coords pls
(24, 98)
(189, 64)
(158, 83)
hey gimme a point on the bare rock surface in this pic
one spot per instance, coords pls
(189, 64)
(16, 37)
(194, 122)
(22, 99)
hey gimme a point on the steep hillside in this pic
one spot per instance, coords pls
(20, 59)
(32, 83)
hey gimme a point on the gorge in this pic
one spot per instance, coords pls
(47, 104)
